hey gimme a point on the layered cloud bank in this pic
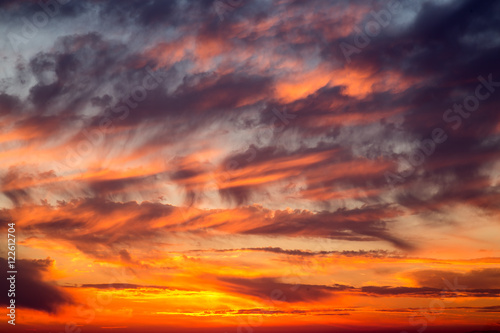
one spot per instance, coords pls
(228, 165)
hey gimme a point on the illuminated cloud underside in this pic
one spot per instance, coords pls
(261, 165)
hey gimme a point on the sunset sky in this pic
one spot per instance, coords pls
(231, 166)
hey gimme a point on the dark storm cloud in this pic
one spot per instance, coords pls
(31, 291)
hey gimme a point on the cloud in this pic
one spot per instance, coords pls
(256, 129)
(99, 228)
(357, 224)
(8, 103)
(360, 124)
(303, 253)
(120, 286)
(31, 291)
(270, 289)
(142, 12)
(486, 278)
(493, 308)
(427, 292)
(18, 185)
(68, 223)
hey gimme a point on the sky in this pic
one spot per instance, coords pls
(251, 166)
